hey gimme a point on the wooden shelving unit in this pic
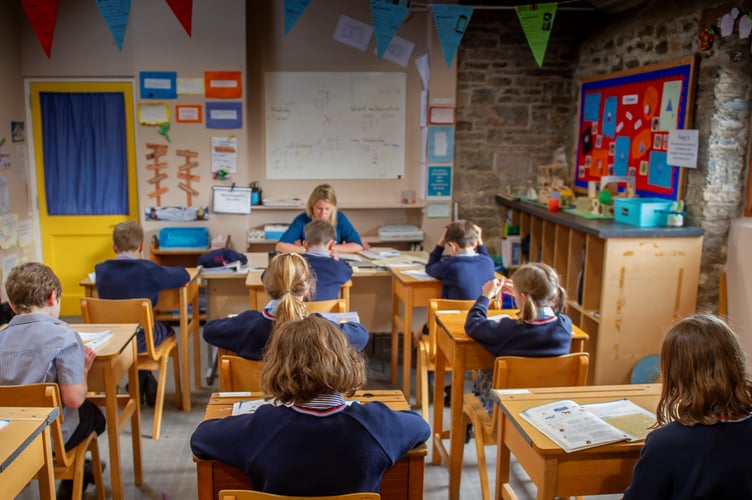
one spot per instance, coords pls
(625, 285)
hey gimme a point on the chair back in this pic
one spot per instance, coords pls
(41, 395)
(260, 495)
(239, 374)
(434, 306)
(325, 306)
(95, 310)
(516, 372)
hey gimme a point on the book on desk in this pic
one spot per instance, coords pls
(577, 427)
(95, 340)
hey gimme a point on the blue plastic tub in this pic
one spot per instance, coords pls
(184, 237)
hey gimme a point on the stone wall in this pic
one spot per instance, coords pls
(506, 128)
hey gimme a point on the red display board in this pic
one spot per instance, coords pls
(624, 122)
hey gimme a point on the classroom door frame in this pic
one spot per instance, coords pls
(77, 242)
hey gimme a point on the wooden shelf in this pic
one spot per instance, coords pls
(625, 285)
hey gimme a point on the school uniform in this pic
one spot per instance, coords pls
(548, 335)
(463, 275)
(128, 277)
(324, 447)
(36, 348)
(680, 462)
(345, 230)
(330, 273)
(248, 333)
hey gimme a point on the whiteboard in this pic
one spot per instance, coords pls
(231, 200)
(335, 125)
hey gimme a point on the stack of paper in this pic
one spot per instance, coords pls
(94, 340)
(379, 252)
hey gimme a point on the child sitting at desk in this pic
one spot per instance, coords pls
(540, 330)
(288, 281)
(38, 347)
(309, 441)
(701, 447)
(128, 276)
(464, 271)
(330, 272)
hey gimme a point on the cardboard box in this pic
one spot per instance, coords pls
(642, 212)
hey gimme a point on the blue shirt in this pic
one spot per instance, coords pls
(346, 233)
(463, 275)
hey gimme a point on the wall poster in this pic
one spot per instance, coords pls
(624, 122)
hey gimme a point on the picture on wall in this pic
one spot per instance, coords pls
(623, 123)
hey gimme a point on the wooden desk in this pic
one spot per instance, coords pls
(226, 293)
(177, 299)
(404, 480)
(410, 292)
(115, 358)
(26, 450)
(456, 349)
(595, 471)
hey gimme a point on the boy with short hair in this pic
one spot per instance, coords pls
(468, 266)
(128, 276)
(38, 347)
(331, 273)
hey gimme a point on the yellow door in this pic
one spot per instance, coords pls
(73, 244)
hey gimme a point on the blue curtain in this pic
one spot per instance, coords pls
(85, 153)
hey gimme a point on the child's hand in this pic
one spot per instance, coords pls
(442, 240)
(89, 356)
(480, 234)
(508, 287)
(492, 288)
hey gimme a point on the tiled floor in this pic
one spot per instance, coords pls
(169, 472)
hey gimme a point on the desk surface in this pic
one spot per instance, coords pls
(121, 334)
(24, 425)
(512, 405)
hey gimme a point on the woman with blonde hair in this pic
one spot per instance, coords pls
(289, 282)
(701, 446)
(322, 205)
(310, 441)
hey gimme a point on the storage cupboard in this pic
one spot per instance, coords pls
(625, 285)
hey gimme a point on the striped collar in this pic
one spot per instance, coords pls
(270, 309)
(545, 315)
(322, 405)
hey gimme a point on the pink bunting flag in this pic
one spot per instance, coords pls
(42, 15)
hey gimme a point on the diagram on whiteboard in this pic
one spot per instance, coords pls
(335, 125)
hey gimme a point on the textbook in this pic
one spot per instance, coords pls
(345, 317)
(95, 340)
(379, 252)
(576, 427)
(248, 406)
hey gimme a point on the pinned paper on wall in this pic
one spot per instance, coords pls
(439, 182)
(8, 234)
(352, 32)
(224, 154)
(441, 143)
(188, 113)
(158, 84)
(227, 115)
(191, 86)
(398, 51)
(223, 84)
(9, 262)
(25, 230)
(153, 114)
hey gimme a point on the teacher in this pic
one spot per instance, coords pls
(322, 205)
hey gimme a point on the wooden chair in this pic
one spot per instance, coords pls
(511, 372)
(260, 495)
(239, 374)
(427, 348)
(67, 464)
(155, 358)
(334, 305)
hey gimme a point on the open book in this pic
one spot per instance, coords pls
(379, 252)
(575, 427)
(95, 340)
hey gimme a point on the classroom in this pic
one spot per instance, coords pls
(227, 112)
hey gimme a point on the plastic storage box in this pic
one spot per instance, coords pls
(642, 212)
(274, 231)
(184, 237)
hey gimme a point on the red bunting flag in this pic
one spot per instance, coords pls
(42, 15)
(183, 10)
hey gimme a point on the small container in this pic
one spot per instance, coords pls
(255, 193)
